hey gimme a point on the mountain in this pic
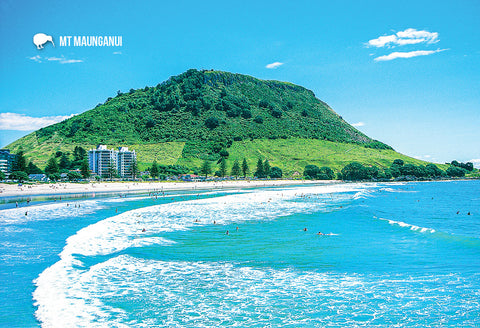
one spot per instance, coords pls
(207, 114)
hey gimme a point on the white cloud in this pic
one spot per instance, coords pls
(71, 61)
(61, 60)
(410, 54)
(36, 58)
(475, 162)
(409, 36)
(22, 122)
(358, 124)
(274, 65)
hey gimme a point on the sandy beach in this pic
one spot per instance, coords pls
(13, 190)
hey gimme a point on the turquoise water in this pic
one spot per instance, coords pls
(392, 255)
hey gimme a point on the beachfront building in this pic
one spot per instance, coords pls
(6, 161)
(109, 162)
(125, 160)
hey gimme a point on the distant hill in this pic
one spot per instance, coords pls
(201, 115)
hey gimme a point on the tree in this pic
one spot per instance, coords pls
(73, 176)
(154, 170)
(260, 173)
(408, 170)
(52, 166)
(33, 169)
(212, 123)
(388, 173)
(266, 168)
(111, 171)
(276, 173)
(467, 166)
(19, 175)
(258, 119)
(354, 171)
(370, 172)
(85, 169)
(454, 171)
(433, 171)
(223, 167)
(54, 176)
(245, 168)
(276, 113)
(79, 154)
(133, 170)
(398, 162)
(206, 168)
(311, 172)
(64, 162)
(326, 173)
(236, 171)
(395, 171)
(20, 163)
(2, 176)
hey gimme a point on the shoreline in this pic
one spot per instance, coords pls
(10, 190)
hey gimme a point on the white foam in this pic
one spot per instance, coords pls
(204, 294)
(58, 210)
(63, 293)
(410, 226)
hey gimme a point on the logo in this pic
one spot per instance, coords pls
(40, 39)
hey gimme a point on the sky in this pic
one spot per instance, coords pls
(405, 73)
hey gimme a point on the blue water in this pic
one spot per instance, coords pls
(392, 255)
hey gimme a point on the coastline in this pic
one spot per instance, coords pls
(14, 190)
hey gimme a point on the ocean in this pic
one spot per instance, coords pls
(389, 255)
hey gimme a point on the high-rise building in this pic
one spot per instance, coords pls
(104, 161)
(6, 161)
(125, 160)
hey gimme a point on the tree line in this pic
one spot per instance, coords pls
(398, 170)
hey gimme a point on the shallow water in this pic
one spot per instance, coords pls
(396, 254)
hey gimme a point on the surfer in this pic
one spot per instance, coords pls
(143, 230)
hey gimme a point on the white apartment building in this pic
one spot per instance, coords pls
(101, 161)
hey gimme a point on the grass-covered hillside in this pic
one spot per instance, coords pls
(202, 115)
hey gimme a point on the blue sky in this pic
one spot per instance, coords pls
(350, 53)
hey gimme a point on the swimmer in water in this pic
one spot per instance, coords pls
(304, 229)
(226, 232)
(26, 213)
(320, 234)
(143, 230)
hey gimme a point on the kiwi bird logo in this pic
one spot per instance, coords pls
(40, 39)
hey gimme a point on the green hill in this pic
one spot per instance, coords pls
(201, 115)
